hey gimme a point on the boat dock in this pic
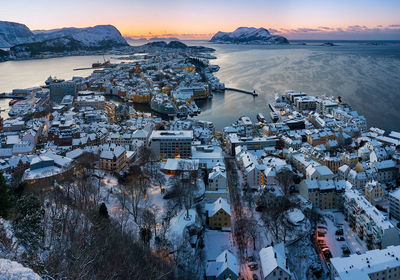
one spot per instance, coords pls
(254, 93)
(85, 68)
(10, 95)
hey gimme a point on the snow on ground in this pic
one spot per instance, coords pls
(352, 241)
(295, 216)
(201, 188)
(216, 242)
(7, 233)
(10, 270)
(301, 255)
(156, 202)
(180, 222)
(109, 193)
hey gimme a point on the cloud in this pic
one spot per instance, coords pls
(351, 32)
(355, 32)
(274, 31)
(184, 36)
(325, 28)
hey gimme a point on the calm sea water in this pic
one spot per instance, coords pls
(366, 76)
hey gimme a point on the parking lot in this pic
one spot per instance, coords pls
(335, 238)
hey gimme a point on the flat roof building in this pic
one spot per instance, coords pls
(171, 143)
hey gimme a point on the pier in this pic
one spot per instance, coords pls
(254, 93)
(10, 95)
(85, 68)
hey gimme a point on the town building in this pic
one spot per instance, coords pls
(224, 267)
(59, 90)
(394, 204)
(373, 265)
(113, 159)
(252, 143)
(319, 172)
(370, 224)
(171, 144)
(274, 264)
(252, 168)
(45, 169)
(305, 103)
(374, 192)
(174, 166)
(218, 214)
(323, 194)
(94, 101)
(217, 178)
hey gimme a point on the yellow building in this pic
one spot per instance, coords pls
(351, 159)
(141, 97)
(110, 107)
(218, 214)
(333, 163)
(186, 67)
(320, 138)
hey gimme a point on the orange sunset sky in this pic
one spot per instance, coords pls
(187, 19)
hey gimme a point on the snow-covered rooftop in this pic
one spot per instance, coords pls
(360, 266)
(272, 257)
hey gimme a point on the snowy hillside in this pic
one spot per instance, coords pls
(12, 33)
(96, 36)
(11, 270)
(248, 35)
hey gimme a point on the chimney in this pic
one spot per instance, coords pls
(275, 255)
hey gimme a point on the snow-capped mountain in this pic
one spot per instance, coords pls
(96, 36)
(248, 35)
(12, 33)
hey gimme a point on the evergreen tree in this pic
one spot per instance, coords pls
(4, 198)
(103, 210)
(28, 223)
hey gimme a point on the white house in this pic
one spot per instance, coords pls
(217, 177)
(224, 267)
(320, 172)
(273, 263)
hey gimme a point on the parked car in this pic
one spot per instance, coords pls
(346, 250)
(323, 247)
(339, 232)
(250, 259)
(340, 238)
(321, 234)
(260, 208)
(253, 266)
(327, 254)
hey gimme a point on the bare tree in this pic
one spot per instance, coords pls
(241, 234)
(160, 180)
(185, 186)
(87, 161)
(147, 224)
(272, 216)
(135, 188)
(285, 177)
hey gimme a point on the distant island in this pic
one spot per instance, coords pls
(177, 45)
(248, 36)
(328, 44)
